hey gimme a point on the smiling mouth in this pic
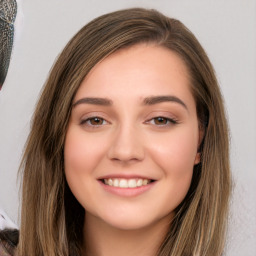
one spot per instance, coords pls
(126, 183)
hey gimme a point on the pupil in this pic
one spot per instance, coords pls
(161, 120)
(96, 120)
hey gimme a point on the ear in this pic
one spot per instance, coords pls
(200, 139)
(197, 158)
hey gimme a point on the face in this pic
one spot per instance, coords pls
(133, 138)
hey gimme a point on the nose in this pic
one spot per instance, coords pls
(126, 146)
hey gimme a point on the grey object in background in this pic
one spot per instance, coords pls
(8, 11)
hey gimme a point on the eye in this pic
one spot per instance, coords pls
(94, 121)
(162, 121)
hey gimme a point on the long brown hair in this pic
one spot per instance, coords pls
(51, 217)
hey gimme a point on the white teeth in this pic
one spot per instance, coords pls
(123, 183)
(139, 182)
(144, 182)
(116, 183)
(132, 183)
(126, 183)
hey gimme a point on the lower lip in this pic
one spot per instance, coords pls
(127, 192)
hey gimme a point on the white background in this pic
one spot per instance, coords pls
(226, 29)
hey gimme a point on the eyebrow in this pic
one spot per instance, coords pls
(147, 101)
(94, 101)
(159, 99)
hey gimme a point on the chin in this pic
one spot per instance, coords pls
(134, 221)
(129, 224)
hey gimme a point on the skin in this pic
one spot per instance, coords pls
(129, 140)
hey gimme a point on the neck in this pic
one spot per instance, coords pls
(101, 239)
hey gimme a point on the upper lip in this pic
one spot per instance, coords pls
(124, 176)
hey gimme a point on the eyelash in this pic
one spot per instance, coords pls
(88, 121)
(169, 121)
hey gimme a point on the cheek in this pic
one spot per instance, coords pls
(81, 157)
(176, 152)
(175, 155)
(81, 152)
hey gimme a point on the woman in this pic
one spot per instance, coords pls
(128, 151)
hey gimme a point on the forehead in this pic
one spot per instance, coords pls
(137, 70)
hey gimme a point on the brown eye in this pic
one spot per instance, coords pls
(161, 120)
(94, 121)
